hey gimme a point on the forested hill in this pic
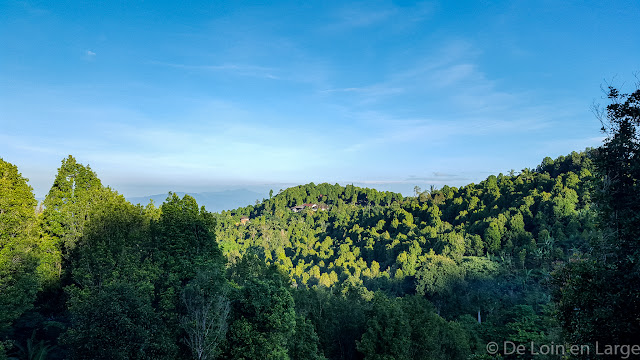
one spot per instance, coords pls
(482, 254)
(380, 240)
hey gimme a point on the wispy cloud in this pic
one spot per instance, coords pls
(367, 94)
(368, 14)
(438, 98)
(89, 55)
(237, 69)
(360, 17)
(437, 177)
(31, 9)
(447, 68)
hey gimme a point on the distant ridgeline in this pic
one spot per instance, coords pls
(314, 272)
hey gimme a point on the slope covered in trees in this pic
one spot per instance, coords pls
(543, 256)
(381, 239)
(479, 253)
(316, 271)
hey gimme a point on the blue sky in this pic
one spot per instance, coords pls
(206, 95)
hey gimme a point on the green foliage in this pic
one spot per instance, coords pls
(263, 315)
(478, 250)
(501, 216)
(111, 296)
(115, 245)
(159, 278)
(17, 203)
(304, 344)
(438, 275)
(409, 328)
(111, 322)
(526, 326)
(33, 349)
(184, 237)
(18, 281)
(597, 291)
(327, 312)
(76, 190)
(184, 249)
(388, 332)
(360, 274)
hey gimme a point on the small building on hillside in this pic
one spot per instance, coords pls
(313, 207)
(299, 208)
(244, 220)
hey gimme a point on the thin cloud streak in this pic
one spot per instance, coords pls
(357, 16)
(238, 69)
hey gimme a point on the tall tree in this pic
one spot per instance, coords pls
(76, 189)
(599, 294)
(111, 297)
(190, 289)
(18, 279)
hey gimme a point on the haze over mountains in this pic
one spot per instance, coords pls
(214, 201)
(233, 198)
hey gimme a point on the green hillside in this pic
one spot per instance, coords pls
(483, 250)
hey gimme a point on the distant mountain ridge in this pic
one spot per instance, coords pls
(215, 201)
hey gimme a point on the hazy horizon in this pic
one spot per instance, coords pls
(404, 186)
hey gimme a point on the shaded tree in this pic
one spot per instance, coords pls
(598, 293)
(206, 313)
(263, 314)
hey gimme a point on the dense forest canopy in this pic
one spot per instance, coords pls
(539, 256)
(444, 269)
